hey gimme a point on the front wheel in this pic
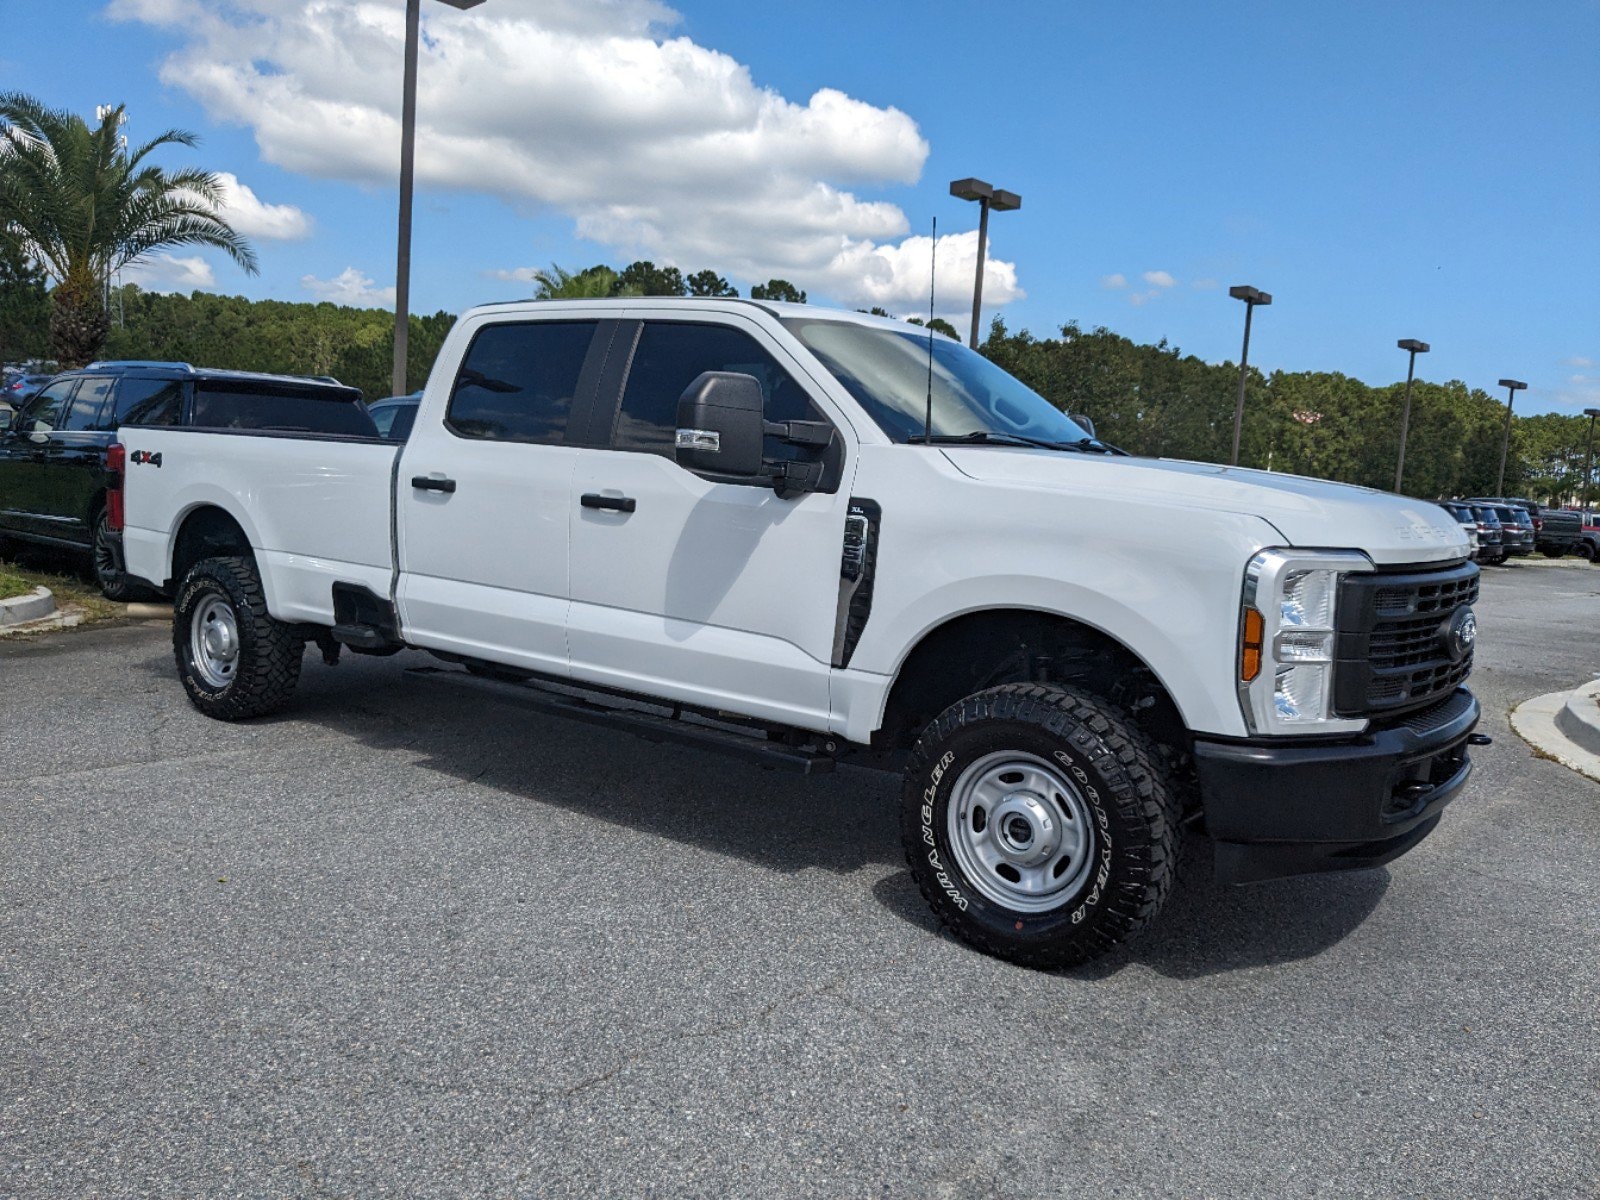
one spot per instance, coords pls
(235, 660)
(1585, 551)
(1039, 825)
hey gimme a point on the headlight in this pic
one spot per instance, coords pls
(1287, 631)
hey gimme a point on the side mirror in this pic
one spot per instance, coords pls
(720, 425)
(1084, 420)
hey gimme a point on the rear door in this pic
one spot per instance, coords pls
(25, 505)
(683, 587)
(485, 488)
(75, 458)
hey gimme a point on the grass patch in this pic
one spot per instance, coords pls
(70, 590)
(12, 583)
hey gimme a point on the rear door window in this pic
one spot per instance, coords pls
(519, 381)
(280, 407)
(89, 405)
(148, 402)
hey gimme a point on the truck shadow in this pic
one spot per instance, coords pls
(787, 823)
(1207, 928)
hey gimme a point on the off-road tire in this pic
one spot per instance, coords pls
(1119, 774)
(112, 581)
(269, 652)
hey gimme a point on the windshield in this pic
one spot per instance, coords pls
(887, 373)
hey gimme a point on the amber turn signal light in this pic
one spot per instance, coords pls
(1250, 645)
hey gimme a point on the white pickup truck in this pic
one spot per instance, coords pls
(813, 537)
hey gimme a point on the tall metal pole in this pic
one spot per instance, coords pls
(1588, 460)
(408, 153)
(977, 285)
(1405, 422)
(1244, 371)
(1505, 443)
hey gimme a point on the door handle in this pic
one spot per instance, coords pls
(425, 484)
(615, 503)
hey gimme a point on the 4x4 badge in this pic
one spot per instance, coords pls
(140, 457)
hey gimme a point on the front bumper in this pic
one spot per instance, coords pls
(1274, 810)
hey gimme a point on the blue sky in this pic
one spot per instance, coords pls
(1385, 170)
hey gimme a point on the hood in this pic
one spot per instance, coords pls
(1307, 512)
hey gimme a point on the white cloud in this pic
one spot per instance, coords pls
(517, 274)
(171, 273)
(1139, 299)
(350, 286)
(251, 216)
(1577, 360)
(1113, 282)
(652, 144)
(1205, 285)
(1160, 279)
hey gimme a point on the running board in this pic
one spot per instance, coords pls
(648, 725)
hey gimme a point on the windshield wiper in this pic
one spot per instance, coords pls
(980, 437)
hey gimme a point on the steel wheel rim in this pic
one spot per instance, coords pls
(214, 641)
(1020, 831)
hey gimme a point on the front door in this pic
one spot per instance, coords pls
(485, 484)
(712, 593)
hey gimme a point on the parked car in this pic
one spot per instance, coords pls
(1517, 532)
(1491, 534)
(395, 415)
(21, 388)
(759, 527)
(1467, 519)
(1588, 545)
(1556, 530)
(54, 476)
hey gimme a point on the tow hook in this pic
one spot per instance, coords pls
(1479, 739)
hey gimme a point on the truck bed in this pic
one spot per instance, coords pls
(318, 506)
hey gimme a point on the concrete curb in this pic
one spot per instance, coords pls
(67, 618)
(1544, 721)
(18, 610)
(1579, 717)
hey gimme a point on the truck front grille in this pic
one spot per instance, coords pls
(1393, 652)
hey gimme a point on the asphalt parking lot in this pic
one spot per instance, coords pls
(394, 942)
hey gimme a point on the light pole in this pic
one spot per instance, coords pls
(1251, 297)
(1416, 348)
(987, 197)
(1588, 457)
(1512, 386)
(408, 154)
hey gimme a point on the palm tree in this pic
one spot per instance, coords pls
(82, 204)
(558, 283)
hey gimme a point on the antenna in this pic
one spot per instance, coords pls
(933, 263)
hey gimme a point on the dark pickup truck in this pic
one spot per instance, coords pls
(53, 472)
(1556, 531)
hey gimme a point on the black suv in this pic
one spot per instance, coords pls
(53, 450)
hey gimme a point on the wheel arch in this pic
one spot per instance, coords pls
(985, 647)
(206, 530)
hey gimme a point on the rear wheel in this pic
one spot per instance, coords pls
(107, 560)
(1550, 552)
(235, 660)
(1585, 551)
(1039, 825)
